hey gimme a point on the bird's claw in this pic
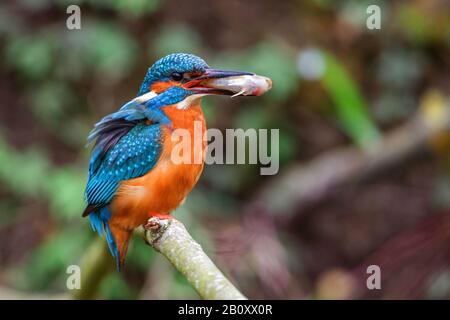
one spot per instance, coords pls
(155, 221)
(152, 225)
(155, 227)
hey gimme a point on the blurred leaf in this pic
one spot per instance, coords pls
(288, 146)
(140, 255)
(49, 261)
(135, 7)
(64, 187)
(30, 174)
(63, 4)
(399, 68)
(252, 117)
(174, 38)
(32, 57)
(107, 49)
(10, 25)
(324, 4)
(352, 111)
(23, 172)
(8, 207)
(50, 100)
(75, 133)
(414, 23)
(390, 106)
(258, 117)
(209, 111)
(202, 202)
(434, 111)
(35, 5)
(441, 194)
(440, 285)
(115, 287)
(223, 177)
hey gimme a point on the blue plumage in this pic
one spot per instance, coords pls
(99, 222)
(133, 111)
(133, 156)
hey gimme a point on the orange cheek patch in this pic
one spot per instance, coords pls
(161, 86)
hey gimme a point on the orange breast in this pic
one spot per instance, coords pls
(166, 186)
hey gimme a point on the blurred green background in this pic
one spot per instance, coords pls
(363, 118)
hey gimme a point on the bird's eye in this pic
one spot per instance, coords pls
(177, 76)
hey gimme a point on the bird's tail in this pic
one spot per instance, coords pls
(117, 238)
(121, 237)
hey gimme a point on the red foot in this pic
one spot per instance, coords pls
(154, 225)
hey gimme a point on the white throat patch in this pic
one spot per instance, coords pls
(186, 103)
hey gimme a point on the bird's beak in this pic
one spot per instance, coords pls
(224, 82)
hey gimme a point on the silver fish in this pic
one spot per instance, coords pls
(246, 85)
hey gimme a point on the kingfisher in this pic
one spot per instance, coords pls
(131, 175)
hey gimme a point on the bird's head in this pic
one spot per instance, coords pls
(192, 76)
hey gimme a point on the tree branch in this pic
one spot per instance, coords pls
(171, 239)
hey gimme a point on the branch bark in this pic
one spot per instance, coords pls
(171, 239)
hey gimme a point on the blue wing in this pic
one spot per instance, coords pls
(133, 155)
(131, 113)
(124, 150)
(125, 147)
